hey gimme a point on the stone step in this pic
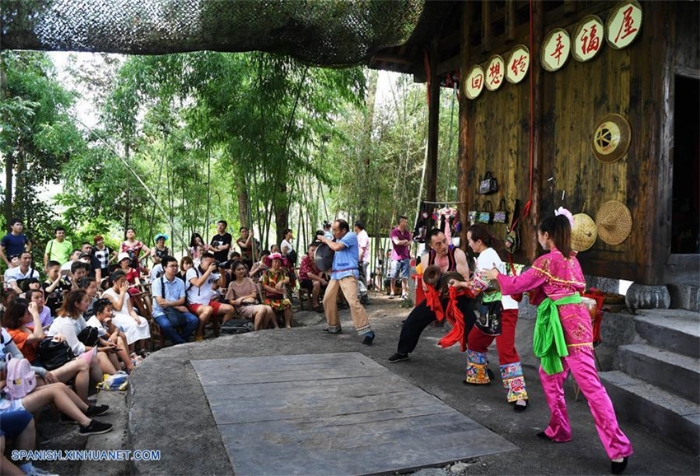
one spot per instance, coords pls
(676, 373)
(672, 417)
(676, 330)
(685, 296)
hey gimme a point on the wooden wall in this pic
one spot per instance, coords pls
(635, 82)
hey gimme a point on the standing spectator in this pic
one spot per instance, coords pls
(344, 277)
(400, 257)
(133, 247)
(101, 256)
(327, 230)
(248, 245)
(15, 242)
(260, 267)
(221, 242)
(195, 242)
(287, 248)
(159, 251)
(58, 249)
(363, 245)
(16, 276)
(169, 310)
(311, 278)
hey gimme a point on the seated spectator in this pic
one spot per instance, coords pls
(169, 310)
(201, 282)
(90, 286)
(74, 255)
(185, 263)
(159, 251)
(78, 271)
(17, 320)
(14, 277)
(243, 295)
(133, 248)
(66, 327)
(13, 264)
(311, 278)
(66, 401)
(55, 286)
(37, 296)
(135, 327)
(132, 275)
(260, 267)
(274, 282)
(19, 426)
(197, 246)
(114, 340)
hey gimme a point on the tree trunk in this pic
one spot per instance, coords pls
(366, 154)
(243, 198)
(9, 161)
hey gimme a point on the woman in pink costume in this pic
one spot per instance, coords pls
(564, 337)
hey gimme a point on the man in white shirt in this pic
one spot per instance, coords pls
(363, 245)
(201, 281)
(21, 272)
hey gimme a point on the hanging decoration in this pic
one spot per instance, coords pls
(611, 138)
(588, 39)
(518, 64)
(474, 82)
(623, 25)
(495, 72)
(555, 50)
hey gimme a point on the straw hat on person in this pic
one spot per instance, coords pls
(583, 233)
(614, 222)
(123, 256)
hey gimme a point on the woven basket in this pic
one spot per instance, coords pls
(614, 222)
(584, 232)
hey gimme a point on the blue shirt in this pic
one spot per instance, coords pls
(345, 261)
(174, 290)
(14, 244)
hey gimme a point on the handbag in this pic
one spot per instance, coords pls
(176, 318)
(489, 317)
(488, 184)
(486, 214)
(512, 241)
(54, 354)
(501, 215)
(472, 215)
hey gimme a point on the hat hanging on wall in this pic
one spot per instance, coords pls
(611, 138)
(614, 222)
(583, 233)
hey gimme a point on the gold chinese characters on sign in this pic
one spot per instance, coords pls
(555, 50)
(474, 82)
(495, 72)
(517, 64)
(623, 25)
(588, 39)
(611, 138)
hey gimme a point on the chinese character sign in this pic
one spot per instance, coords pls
(588, 39)
(623, 24)
(474, 82)
(555, 49)
(495, 73)
(518, 64)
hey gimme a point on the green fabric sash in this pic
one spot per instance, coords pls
(548, 343)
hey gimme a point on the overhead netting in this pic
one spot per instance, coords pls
(325, 32)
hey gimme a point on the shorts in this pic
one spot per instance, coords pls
(400, 268)
(215, 304)
(14, 422)
(307, 284)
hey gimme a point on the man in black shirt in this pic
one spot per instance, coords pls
(221, 242)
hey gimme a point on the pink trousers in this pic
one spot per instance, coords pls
(581, 362)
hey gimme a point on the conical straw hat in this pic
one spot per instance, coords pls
(583, 233)
(614, 222)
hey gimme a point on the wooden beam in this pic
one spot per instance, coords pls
(391, 59)
(433, 126)
(510, 20)
(466, 161)
(570, 7)
(537, 91)
(448, 65)
(486, 29)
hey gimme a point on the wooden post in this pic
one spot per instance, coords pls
(433, 125)
(486, 28)
(510, 20)
(466, 161)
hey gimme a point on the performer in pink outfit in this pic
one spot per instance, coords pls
(564, 337)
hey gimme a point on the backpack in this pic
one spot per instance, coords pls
(237, 326)
(89, 336)
(21, 379)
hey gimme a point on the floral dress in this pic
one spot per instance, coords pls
(276, 301)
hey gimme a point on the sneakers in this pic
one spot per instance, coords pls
(34, 471)
(369, 339)
(392, 296)
(95, 428)
(96, 410)
(404, 296)
(333, 331)
(398, 357)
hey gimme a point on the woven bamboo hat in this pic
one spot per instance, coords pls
(583, 233)
(614, 222)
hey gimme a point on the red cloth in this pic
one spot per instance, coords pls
(599, 315)
(456, 318)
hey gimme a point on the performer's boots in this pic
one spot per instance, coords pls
(476, 368)
(514, 381)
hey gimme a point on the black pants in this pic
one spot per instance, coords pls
(421, 316)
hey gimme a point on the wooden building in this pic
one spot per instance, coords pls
(536, 136)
